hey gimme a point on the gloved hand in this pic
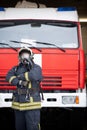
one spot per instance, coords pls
(24, 83)
(25, 61)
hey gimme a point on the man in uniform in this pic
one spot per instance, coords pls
(26, 98)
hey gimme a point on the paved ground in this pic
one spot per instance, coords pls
(54, 118)
(64, 119)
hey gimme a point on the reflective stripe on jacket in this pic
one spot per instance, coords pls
(26, 106)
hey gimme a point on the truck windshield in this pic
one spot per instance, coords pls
(62, 34)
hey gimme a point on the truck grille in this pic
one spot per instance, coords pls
(52, 81)
(65, 81)
(4, 84)
(3, 81)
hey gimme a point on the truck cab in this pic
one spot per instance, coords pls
(54, 35)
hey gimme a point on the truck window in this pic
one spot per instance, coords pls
(62, 34)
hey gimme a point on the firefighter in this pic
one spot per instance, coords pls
(26, 98)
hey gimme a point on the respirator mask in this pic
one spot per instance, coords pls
(25, 58)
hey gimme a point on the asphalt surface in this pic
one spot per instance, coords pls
(64, 119)
(53, 118)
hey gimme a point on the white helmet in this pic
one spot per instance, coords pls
(28, 50)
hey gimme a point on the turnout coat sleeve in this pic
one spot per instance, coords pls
(35, 74)
(11, 76)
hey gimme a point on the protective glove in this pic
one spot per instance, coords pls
(24, 83)
(25, 61)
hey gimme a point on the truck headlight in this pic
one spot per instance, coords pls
(70, 99)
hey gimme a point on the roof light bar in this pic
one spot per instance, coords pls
(66, 9)
(2, 9)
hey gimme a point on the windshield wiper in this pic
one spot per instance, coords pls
(38, 43)
(1, 43)
(51, 45)
(62, 24)
(26, 43)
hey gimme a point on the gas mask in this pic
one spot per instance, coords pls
(25, 58)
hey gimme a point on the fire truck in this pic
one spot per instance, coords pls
(54, 35)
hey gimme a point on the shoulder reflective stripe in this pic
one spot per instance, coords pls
(13, 77)
(26, 76)
(26, 106)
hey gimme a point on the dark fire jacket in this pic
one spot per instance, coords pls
(26, 98)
